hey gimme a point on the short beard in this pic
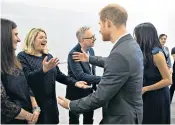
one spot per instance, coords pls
(106, 37)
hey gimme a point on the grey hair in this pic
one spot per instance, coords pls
(81, 31)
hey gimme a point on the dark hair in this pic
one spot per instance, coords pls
(8, 59)
(147, 38)
(161, 35)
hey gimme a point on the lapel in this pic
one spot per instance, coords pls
(84, 64)
(123, 39)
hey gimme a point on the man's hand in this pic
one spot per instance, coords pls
(81, 84)
(83, 57)
(63, 102)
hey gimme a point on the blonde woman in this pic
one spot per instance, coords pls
(41, 71)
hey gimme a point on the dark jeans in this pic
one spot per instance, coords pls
(172, 88)
(87, 118)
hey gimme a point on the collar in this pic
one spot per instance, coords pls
(120, 38)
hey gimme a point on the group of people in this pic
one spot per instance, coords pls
(132, 90)
(28, 80)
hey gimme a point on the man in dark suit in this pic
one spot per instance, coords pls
(120, 89)
(82, 71)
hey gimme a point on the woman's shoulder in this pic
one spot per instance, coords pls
(156, 50)
(22, 54)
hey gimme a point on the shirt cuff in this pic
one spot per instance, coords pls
(69, 106)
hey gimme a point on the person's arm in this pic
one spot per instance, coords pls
(36, 110)
(115, 76)
(160, 62)
(97, 60)
(9, 109)
(67, 80)
(33, 101)
(84, 57)
(30, 75)
(24, 115)
(62, 78)
(80, 74)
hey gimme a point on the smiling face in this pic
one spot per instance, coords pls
(40, 42)
(15, 38)
(88, 39)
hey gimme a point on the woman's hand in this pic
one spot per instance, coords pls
(48, 65)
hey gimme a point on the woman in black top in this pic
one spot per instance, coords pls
(172, 88)
(16, 99)
(12, 113)
(157, 78)
(41, 71)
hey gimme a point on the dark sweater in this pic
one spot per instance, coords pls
(15, 95)
(43, 85)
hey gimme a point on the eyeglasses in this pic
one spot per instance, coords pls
(92, 37)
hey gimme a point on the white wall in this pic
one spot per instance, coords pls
(61, 19)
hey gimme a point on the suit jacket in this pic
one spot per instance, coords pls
(120, 89)
(81, 71)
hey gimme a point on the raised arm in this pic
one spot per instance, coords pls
(80, 74)
(83, 57)
(97, 60)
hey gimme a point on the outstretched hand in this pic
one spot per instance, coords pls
(48, 65)
(63, 102)
(81, 84)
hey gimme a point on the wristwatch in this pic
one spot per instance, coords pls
(37, 108)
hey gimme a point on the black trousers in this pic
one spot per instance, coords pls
(87, 118)
(172, 88)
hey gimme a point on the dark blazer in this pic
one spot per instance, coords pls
(120, 89)
(81, 71)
